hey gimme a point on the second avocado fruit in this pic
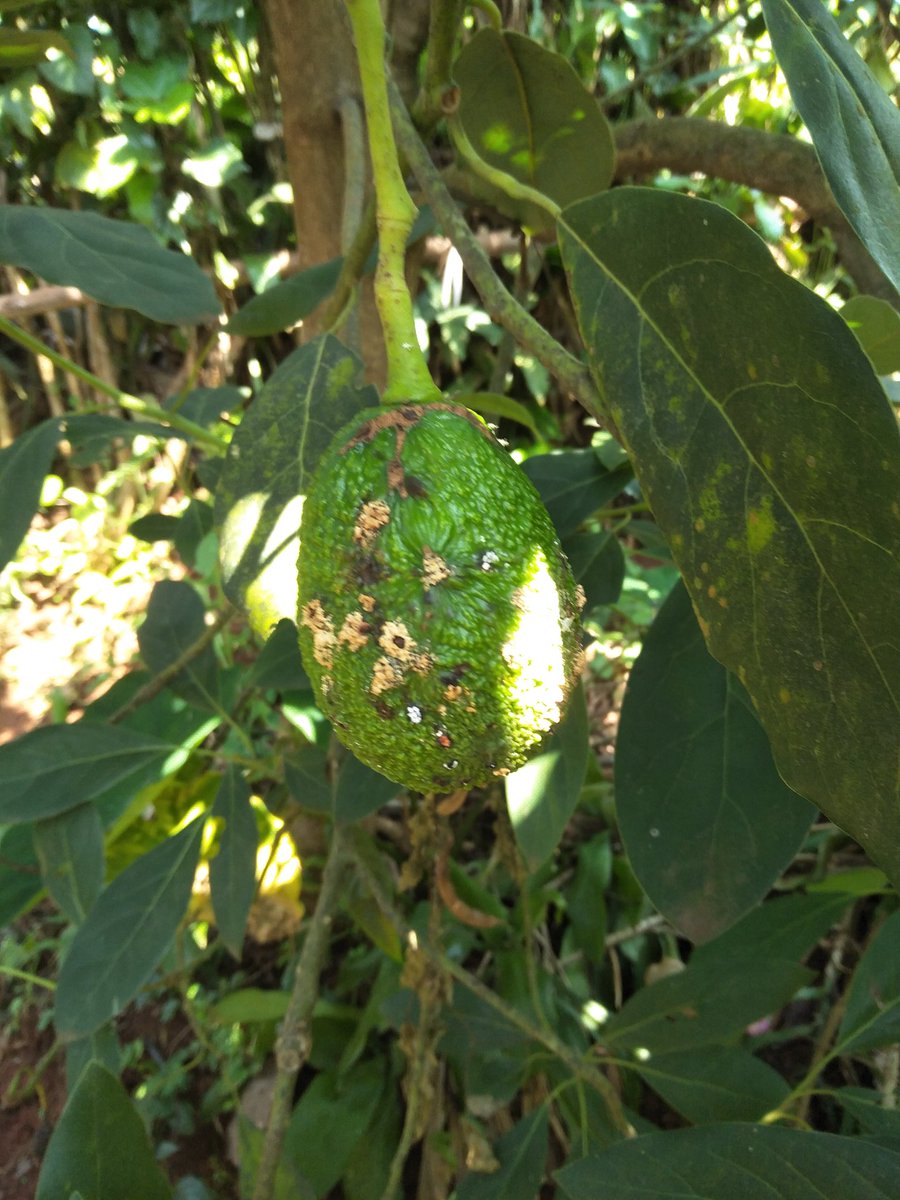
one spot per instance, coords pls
(439, 620)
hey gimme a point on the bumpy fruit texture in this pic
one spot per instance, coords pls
(438, 615)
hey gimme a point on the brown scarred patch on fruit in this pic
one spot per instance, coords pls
(355, 631)
(500, 772)
(384, 676)
(452, 692)
(434, 569)
(373, 516)
(398, 642)
(322, 628)
(366, 602)
(580, 596)
(422, 663)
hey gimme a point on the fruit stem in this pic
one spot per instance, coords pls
(408, 377)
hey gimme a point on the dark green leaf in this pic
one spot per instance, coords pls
(869, 1108)
(115, 262)
(193, 525)
(307, 777)
(205, 405)
(26, 47)
(586, 902)
(57, 767)
(279, 665)
(92, 434)
(727, 1162)
(155, 527)
(872, 1015)
(715, 1083)
(527, 124)
(741, 432)
(785, 928)
(100, 1147)
(488, 1055)
(522, 1155)
(271, 457)
(854, 125)
(232, 873)
(101, 1046)
(289, 1183)
(330, 1118)
(706, 820)
(284, 304)
(573, 484)
(598, 564)
(126, 933)
(70, 850)
(876, 325)
(23, 466)
(174, 622)
(20, 873)
(359, 790)
(249, 1005)
(368, 1167)
(542, 795)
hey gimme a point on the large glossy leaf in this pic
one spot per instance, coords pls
(522, 1155)
(175, 620)
(766, 446)
(714, 1083)
(872, 1015)
(23, 466)
(126, 933)
(57, 767)
(727, 1162)
(115, 262)
(526, 122)
(854, 125)
(100, 1148)
(707, 822)
(232, 873)
(271, 457)
(70, 851)
(542, 795)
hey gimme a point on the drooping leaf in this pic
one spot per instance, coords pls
(279, 664)
(115, 262)
(232, 873)
(876, 325)
(100, 1147)
(307, 777)
(358, 790)
(542, 795)
(522, 1155)
(101, 1046)
(872, 1015)
(770, 456)
(586, 901)
(287, 302)
(527, 124)
(70, 851)
(721, 1162)
(785, 928)
(174, 622)
(854, 125)
(707, 822)
(573, 484)
(714, 1083)
(270, 459)
(598, 564)
(23, 466)
(58, 767)
(868, 1107)
(126, 933)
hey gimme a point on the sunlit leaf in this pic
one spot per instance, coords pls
(877, 327)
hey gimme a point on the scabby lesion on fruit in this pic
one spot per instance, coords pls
(354, 631)
(321, 626)
(434, 568)
(371, 518)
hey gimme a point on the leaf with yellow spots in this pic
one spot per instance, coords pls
(800, 537)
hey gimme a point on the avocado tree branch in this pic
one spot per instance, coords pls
(770, 162)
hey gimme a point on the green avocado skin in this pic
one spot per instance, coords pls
(438, 615)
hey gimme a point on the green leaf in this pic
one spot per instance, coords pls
(494, 404)
(715, 1083)
(872, 1015)
(23, 466)
(70, 850)
(330, 1118)
(232, 873)
(20, 878)
(598, 564)
(542, 795)
(100, 1147)
(359, 790)
(741, 432)
(115, 262)
(706, 820)
(724, 1162)
(876, 325)
(586, 900)
(101, 1046)
(528, 126)
(854, 125)
(175, 621)
(307, 777)
(869, 1108)
(573, 484)
(271, 457)
(284, 304)
(279, 665)
(57, 767)
(522, 1155)
(126, 933)
(26, 47)
(250, 1005)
